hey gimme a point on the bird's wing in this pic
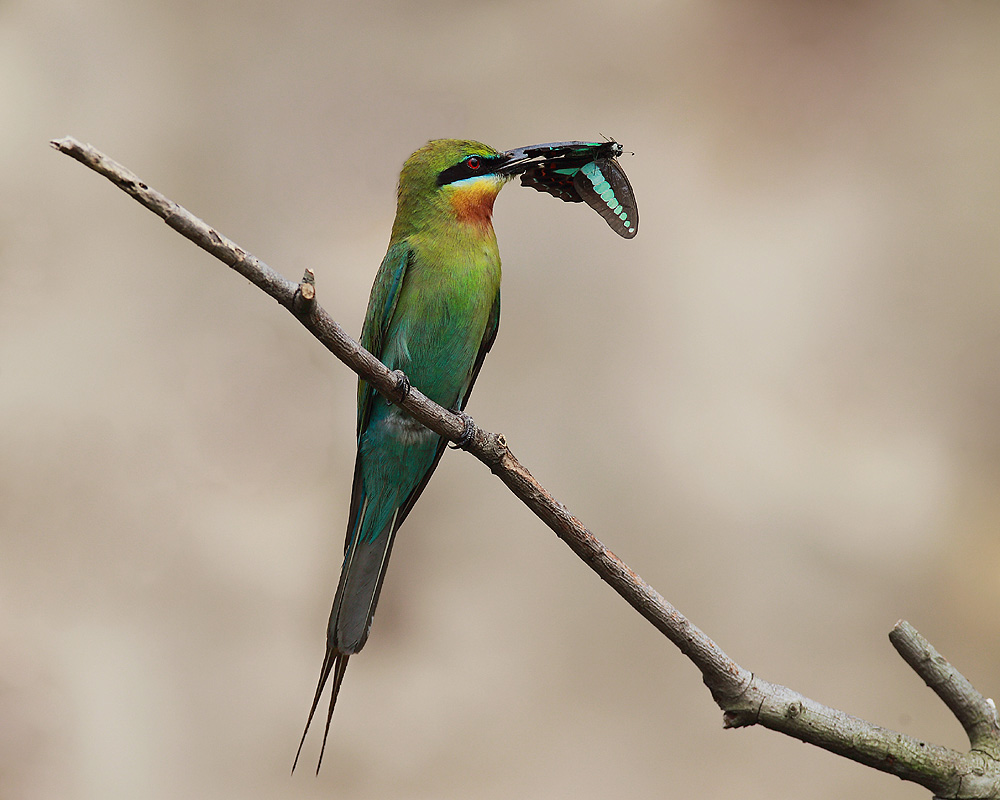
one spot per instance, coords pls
(381, 306)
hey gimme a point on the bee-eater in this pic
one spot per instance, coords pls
(433, 314)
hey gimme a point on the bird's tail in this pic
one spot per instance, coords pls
(354, 604)
(368, 548)
(336, 663)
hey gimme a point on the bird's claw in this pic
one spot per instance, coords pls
(466, 437)
(402, 384)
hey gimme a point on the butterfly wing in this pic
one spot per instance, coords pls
(554, 178)
(603, 186)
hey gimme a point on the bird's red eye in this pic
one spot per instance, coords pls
(473, 162)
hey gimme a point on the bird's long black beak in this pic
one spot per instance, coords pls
(515, 161)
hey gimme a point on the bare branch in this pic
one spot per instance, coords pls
(744, 698)
(977, 714)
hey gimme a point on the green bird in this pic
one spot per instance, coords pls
(434, 312)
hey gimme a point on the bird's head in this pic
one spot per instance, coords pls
(449, 180)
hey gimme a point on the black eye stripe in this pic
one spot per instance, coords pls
(467, 168)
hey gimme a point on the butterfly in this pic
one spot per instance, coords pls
(581, 172)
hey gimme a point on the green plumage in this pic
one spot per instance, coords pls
(433, 313)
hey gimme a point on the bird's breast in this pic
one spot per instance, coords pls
(443, 310)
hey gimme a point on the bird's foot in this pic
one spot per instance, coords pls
(402, 384)
(469, 428)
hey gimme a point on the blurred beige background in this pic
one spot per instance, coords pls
(780, 404)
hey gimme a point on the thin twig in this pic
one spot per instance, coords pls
(744, 698)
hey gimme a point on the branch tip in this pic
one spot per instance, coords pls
(305, 294)
(977, 714)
